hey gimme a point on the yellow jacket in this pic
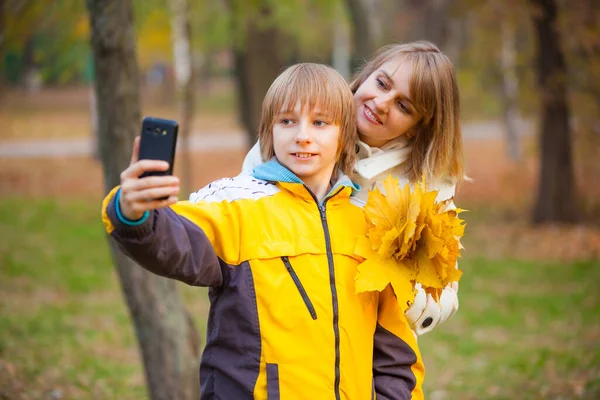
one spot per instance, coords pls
(285, 321)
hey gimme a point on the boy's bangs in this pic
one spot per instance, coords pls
(321, 93)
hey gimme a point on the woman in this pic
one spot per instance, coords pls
(408, 111)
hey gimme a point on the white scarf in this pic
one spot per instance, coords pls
(372, 161)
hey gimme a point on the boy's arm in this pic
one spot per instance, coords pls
(164, 243)
(398, 369)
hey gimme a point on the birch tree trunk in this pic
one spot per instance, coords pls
(341, 45)
(510, 88)
(184, 79)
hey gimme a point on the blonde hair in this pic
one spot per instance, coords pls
(437, 148)
(313, 85)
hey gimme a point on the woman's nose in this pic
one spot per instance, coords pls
(382, 103)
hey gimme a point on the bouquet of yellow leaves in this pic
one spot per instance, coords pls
(411, 238)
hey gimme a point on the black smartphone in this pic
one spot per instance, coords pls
(158, 142)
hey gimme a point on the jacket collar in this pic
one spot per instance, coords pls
(372, 161)
(273, 171)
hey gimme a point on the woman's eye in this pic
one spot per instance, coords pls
(404, 108)
(285, 121)
(320, 123)
(381, 83)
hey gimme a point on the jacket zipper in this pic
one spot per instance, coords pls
(334, 299)
(309, 305)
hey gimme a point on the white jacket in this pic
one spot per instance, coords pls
(372, 167)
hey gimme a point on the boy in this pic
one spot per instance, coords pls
(277, 250)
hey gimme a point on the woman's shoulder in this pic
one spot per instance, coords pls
(445, 186)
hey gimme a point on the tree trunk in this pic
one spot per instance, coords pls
(341, 45)
(184, 79)
(430, 21)
(556, 191)
(167, 339)
(510, 89)
(257, 65)
(364, 30)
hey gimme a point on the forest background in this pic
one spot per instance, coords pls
(76, 77)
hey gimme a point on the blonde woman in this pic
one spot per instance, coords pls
(408, 109)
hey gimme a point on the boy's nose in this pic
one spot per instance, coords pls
(303, 133)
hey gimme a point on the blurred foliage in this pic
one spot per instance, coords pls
(53, 37)
(50, 35)
(479, 64)
(57, 32)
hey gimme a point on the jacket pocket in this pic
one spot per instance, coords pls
(273, 382)
(309, 305)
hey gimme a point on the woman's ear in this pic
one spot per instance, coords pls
(411, 133)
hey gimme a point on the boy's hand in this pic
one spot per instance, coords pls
(139, 195)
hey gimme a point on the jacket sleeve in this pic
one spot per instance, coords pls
(398, 369)
(165, 243)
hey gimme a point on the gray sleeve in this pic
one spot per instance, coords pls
(392, 360)
(168, 245)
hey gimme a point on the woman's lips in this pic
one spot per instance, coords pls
(371, 116)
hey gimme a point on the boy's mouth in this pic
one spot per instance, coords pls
(303, 155)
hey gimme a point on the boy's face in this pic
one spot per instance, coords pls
(306, 142)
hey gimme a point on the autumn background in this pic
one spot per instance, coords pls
(529, 75)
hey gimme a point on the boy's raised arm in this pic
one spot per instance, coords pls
(164, 243)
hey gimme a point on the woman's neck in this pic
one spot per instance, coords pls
(372, 142)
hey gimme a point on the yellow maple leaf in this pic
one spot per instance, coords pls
(379, 211)
(411, 238)
(388, 243)
(427, 273)
(375, 273)
(431, 244)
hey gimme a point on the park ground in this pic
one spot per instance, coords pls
(529, 320)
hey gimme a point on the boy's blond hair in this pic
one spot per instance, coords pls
(313, 85)
(437, 148)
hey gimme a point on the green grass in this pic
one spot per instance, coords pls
(524, 330)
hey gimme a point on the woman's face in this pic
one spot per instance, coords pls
(383, 105)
